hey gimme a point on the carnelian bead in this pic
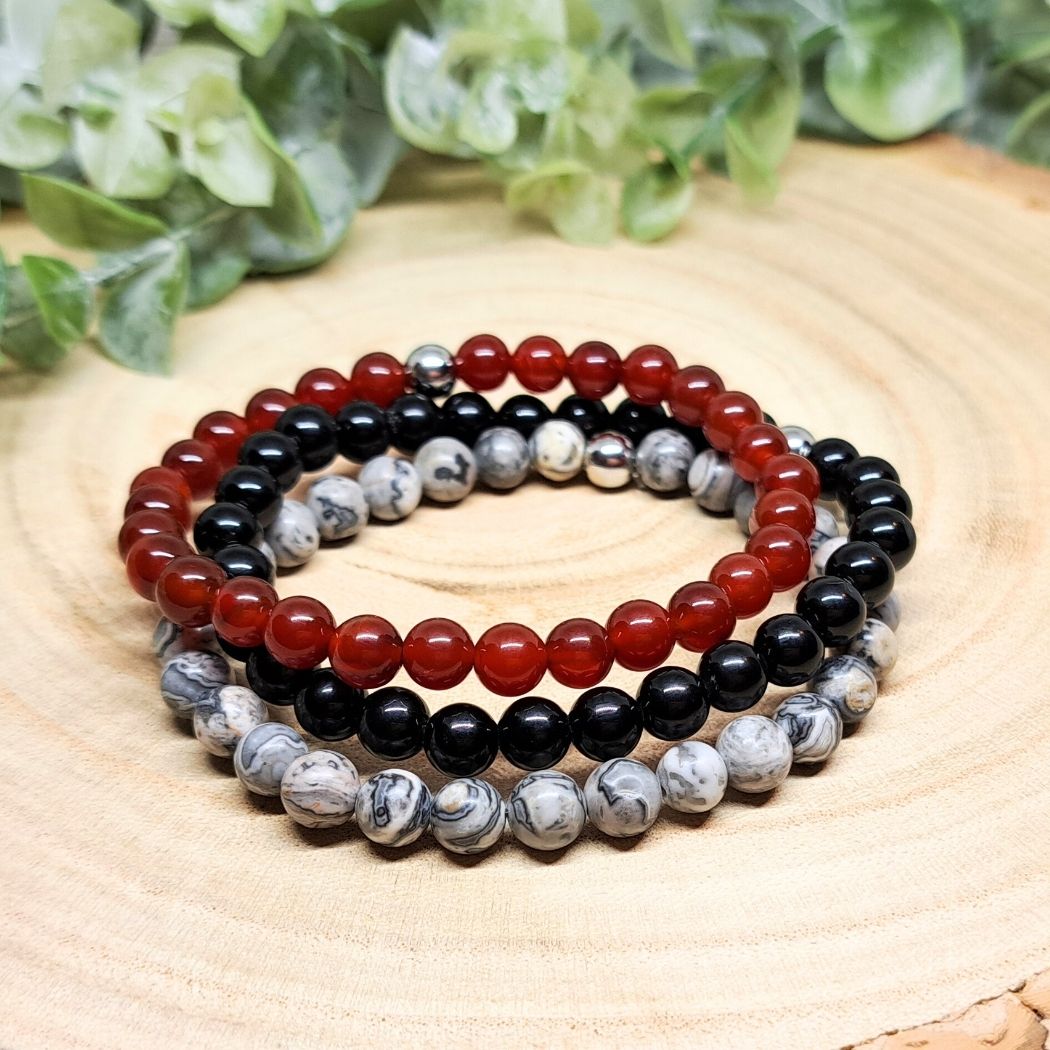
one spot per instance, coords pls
(266, 407)
(754, 447)
(159, 497)
(161, 476)
(366, 651)
(146, 560)
(594, 369)
(790, 472)
(483, 362)
(509, 659)
(438, 653)
(647, 374)
(299, 632)
(539, 363)
(579, 653)
(186, 589)
(146, 523)
(727, 415)
(745, 581)
(640, 633)
(784, 507)
(323, 387)
(197, 463)
(692, 390)
(379, 378)
(784, 553)
(225, 432)
(242, 609)
(701, 616)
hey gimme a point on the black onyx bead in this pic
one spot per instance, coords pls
(871, 494)
(831, 456)
(362, 431)
(461, 740)
(672, 702)
(534, 733)
(272, 680)
(732, 676)
(888, 529)
(274, 453)
(242, 560)
(834, 608)
(635, 421)
(224, 524)
(313, 431)
(769, 419)
(865, 468)
(413, 419)
(695, 435)
(392, 722)
(464, 416)
(789, 648)
(867, 567)
(251, 487)
(605, 723)
(234, 652)
(327, 707)
(590, 416)
(523, 413)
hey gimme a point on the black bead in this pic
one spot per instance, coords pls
(234, 652)
(831, 456)
(635, 421)
(673, 704)
(889, 529)
(880, 493)
(769, 419)
(362, 431)
(694, 434)
(523, 413)
(789, 648)
(242, 560)
(867, 567)
(276, 454)
(314, 432)
(865, 468)
(327, 707)
(605, 723)
(413, 419)
(732, 677)
(590, 416)
(464, 416)
(461, 740)
(224, 524)
(834, 608)
(251, 487)
(392, 722)
(534, 733)
(273, 681)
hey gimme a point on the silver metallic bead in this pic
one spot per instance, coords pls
(800, 440)
(609, 460)
(432, 370)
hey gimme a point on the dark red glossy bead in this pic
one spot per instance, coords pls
(784, 553)
(186, 589)
(647, 374)
(146, 560)
(483, 362)
(594, 369)
(366, 651)
(754, 447)
(438, 653)
(510, 659)
(159, 497)
(299, 632)
(162, 476)
(790, 472)
(266, 407)
(745, 581)
(197, 463)
(146, 523)
(640, 633)
(727, 415)
(242, 610)
(692, 389)
(225, 432)
(701, 616)
(579, 653)
(379, 378)
(539, 363)
(323, 387)
(784, 507)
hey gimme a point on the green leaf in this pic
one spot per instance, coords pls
(671, 117)
(541, 74)
(26, 25)
(577, 202)
(1029, 138)
(24, 337)
(487, 121)
(164, 79)
(602, 105)
(124, 156)
(654, 201)
(31, 135)
(511, 19)
(251, 24)
(662, 25)
(182, 12)
(62, 295)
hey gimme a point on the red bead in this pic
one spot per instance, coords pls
(640, 632)
(701, 616)
(299, 632)
(647, 374)
(754, 447)
(366, 651)
(159, 497)
(510, 659)
(242, 609)
(324, 387)
(147, 558)
(784, 553)
(539, 363)
(146, 523)
(186, 589)
(483, 362)
(727, 415)
(579, 653)
(594, 369)
(379, 378)
(790, 472)
(266, 407)
(197, 463)
(438, 653)
(225, 432)
(784, 507)
(162, 476)
(745, 581)
(692, 390)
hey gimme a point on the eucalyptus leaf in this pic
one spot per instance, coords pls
(62, 296)
(367, 138)
(1029, 138)
(654, 200)
(165, 78)
(662, 26)
(251, 24)
(31, 135)
(577, 202)
(125, 155)
(541, 74)
(27, 26)
(24, 337)
(487, 121)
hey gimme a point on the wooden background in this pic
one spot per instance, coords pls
(900, 298)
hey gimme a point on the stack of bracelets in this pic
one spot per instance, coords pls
(219, 605)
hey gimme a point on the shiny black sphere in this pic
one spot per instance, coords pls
(274, 453)
(790, 649)
(273, 681)
(362, 431)
(731, 676)
(413, 419)
(605, 723)
(534, 733)
(878, 493)
(464, 416)
(590, 416)
(831, 456)
(327, 707)
(635, 421)
(888, 529)
(867, 566)
(523, 413)
(224, 524)
(392, 722)
(865, 468)
(251, 487)
(314, 432)
(834, 608)
(673, 704)
(242, 560)
(461, 740)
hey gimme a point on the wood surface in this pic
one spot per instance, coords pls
(897, 297)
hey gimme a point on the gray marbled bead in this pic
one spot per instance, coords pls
(889, 612)
(319, 789)
(187, 676)
(169, 640)
(264, 753)
(693, 777)
(663, 460)
(848, 684)
(468, 816)
(713, 483)
(813, 726)
(799, 439)
(623, 797)
(339, 505)
(826, 528)
(556, 449)
(224, 715)
(757, 753)
(502, 457)
(293, 535)
(822, 553)
(546, 810)
(743, 505)
(876, 645)
(393, 807)
(447, 470)
(392, 487)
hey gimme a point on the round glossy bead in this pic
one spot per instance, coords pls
(880, 493)
(579, 653)
(197, 462)
(754, 447)
(430, 370)
(745, 581)
(609, 460)
(225, 432)
(392, 487)
(293, 535)
(187, 678)
(866, 566)
(393, 808)
(784, 507)
(848, 684)
(647, 374)
(327, 708)
(241, 610)
(468, 816)
(640, 634)
(438, 653)
(813, 726)
(823, 552)
(888, 529)
(392, 723)
(165, 476)
(834, 608)
(589, 416)
(732, 677)
(146, 523)
(605, 723)
(757, 753)
(362, 431)
(534, 733)
(727, 415)
(275, 683)
(523, 413)
(319, 789)
(623, 798)
(276, 454)
(186, 590)
(594, 370)
(223, 715)
(700, 616)
(265, 408)
(799, 439)
(831, 456)
(158, 497)
(502, 458)
(378, 378)
(323, 387)
(865, 468)
(876, 645)
(465, 415)
(790, 650)
(252, 488)
(147, 558)
(539, 363)
(713, 483)
(546, 810)
(224, 524)
(169, 639)
(263, 755)
(826, 528)
(663, 460)
(314, 432)
(672, 702)
(338, 505)
(635, 420)
(483, 362)
(299, 632)
(510, 659)
(556, 450)
(447, 470)
(791, 472)
(692, 389)
(413, 420)
(693, 777)
(366, 651)
(784, 553)
(461, 740)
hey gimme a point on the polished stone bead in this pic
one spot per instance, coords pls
(754, 447)
(242, 610)
(241, 560)
(377, 377)
(589, 416)
(874, 494)
(447, 470)
(672, 702)
(700, 616)
(848, 684)
(635, 420)
(275, 683)
(237, 653)
(609, 460)
(546, 810)
(831, 456)
(502, 457)
(693, 777)
(746, 583)
(523, 413)
(539, 363)
(833, 607)
(324, 387)
(556, 450)
(392, 487)
(789, 648)
(314, 432)
(862, 469)
(166, 478)
(640, 634)
(392, 723)
(223, 715)
(438, 653)
(594, 369)
(253, 488)
(483, 362)
(784, 507)
(713, 483)
(692, 389)
(169, 639)
(197, 463)
(187, 678)
(743, 508)
(825, 527)
(362, 431)
(757, 753)
(866, 566)
(623, 798)
(510, 659)
(264, 753)
(579, 653)
(338, 503)
(275, 453)
(468, 816)
(813, 725)
(800, 440)
(876, 645)
(534, 733)
(366, 651)
(647, 374)
(146, 522)
(430, 370)
(319, 790)
(784, 553)
(465, 415)
(327, 708)
(413, 420)
(605, 723)
(732, 677)
(223, 524)
(293, 534)
(818, 566)
(663, 460)
(461, 740)
(186, 590)
(889, 612)
(393, 807)
(890, 530)
(265, 408)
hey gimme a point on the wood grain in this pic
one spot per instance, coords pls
(900, 298)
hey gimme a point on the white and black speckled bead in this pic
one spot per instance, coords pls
(546, 810)
(338, 504)
(757, 753)
(468, 816)
(188, 676)
(267, 552)
(813, 726)
(293, 535)
(799, 439)
(876, 645)
(393, 807)
(663, 460)
(743, 506)
(713, 483)
(169, 639)
(556, 450)
(848, 684)
(502, 456)
(889, 612)
(447, 470)
(319, 789)
(826, 528)
(623, 797)
(822, 553)
(264, 753)
(693, 777)
(222, 716)
(391, 486)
